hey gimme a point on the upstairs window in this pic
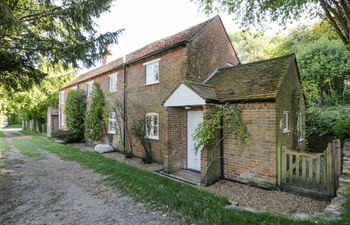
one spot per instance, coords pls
(152, 126)
(113, 83)
(152, 72)
(89, 89)
(112, 123)
(61, 96)
(285, 122)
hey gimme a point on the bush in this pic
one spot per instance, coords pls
(75, 114)
(94, 117)
(64, 135)
(325, 123)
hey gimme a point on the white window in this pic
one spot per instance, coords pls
(152, 126)
(300, 130)
(285, 122)
(61, 96)
(89, 88)
(112, 123)
(152, 72)
(62, 119)
(112, 83)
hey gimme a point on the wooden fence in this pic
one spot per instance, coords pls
(313, 174)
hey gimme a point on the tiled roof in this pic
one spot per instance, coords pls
(251, 81)
(207, 92)
(155, 47)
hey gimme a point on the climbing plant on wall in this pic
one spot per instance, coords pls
(75, 113)
(228, 118)
(94, 122)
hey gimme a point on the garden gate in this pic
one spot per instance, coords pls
(312, 174)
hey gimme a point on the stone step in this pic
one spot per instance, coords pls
(344, 179)
(346, 158)
(346, 171)
(346, 153)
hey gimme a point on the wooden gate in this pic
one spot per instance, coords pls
(312, 174)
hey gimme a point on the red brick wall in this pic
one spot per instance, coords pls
(289, 88)
(255, 162)
(149, 98)
(175, 155)
(211, 49)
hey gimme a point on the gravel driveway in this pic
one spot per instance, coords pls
(52, 191)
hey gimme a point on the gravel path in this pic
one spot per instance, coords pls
(52, 191)
(274, 201)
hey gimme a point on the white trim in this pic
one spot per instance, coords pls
(61, 97)
(286, 123)
(110, 119)
(153, 137)
(115, 76)
(152, 61)
(152, 76)
(88, 94)
(184, 96)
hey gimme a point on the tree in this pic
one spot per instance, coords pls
(33, 103)
(252, 46)
(94, 116)
(324, 69)
(33, 32)
(336, 12)
(75, 110)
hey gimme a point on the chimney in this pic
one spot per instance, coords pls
(104, 59)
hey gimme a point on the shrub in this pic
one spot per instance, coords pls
(325, 123)
(75, 114)
(139, 131)
(64, 135)
(94, 116)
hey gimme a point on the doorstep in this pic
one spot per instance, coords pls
(187, 176)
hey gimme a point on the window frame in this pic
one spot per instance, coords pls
(88, 92)
(153, 62)
(110, 119)
(111, 87)
(285, 120)
(61, 96)
(153, 137)
(300, 128)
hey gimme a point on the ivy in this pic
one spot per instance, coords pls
(227, 117)
(75, 113)
(94, 117)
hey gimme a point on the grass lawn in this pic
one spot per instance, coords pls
(190, 203)
(4, 146)
(14, 126)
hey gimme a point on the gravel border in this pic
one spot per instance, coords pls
(267, 200)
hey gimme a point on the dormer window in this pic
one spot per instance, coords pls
(152, 72)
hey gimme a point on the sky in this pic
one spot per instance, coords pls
(151, 20)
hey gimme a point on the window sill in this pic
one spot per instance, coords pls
(110, 132)
(149, 84)
(112, 91)
(286, 131)
(153, 138)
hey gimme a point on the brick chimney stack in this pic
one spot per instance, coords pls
(104, 60)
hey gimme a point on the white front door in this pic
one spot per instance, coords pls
(194, 118)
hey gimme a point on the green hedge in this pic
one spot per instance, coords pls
(75, 114)
(325, 123)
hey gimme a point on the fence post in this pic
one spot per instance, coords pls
(336, 149)
(279, 163)
(330, 170)
(284, 163)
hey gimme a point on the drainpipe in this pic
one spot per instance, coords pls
(124, 102)
(222, 148)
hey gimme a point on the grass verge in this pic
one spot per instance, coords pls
(25, 146)
(14, 126)
(192, 204)
(4, 145)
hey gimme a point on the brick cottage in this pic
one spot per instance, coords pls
(178, 81)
